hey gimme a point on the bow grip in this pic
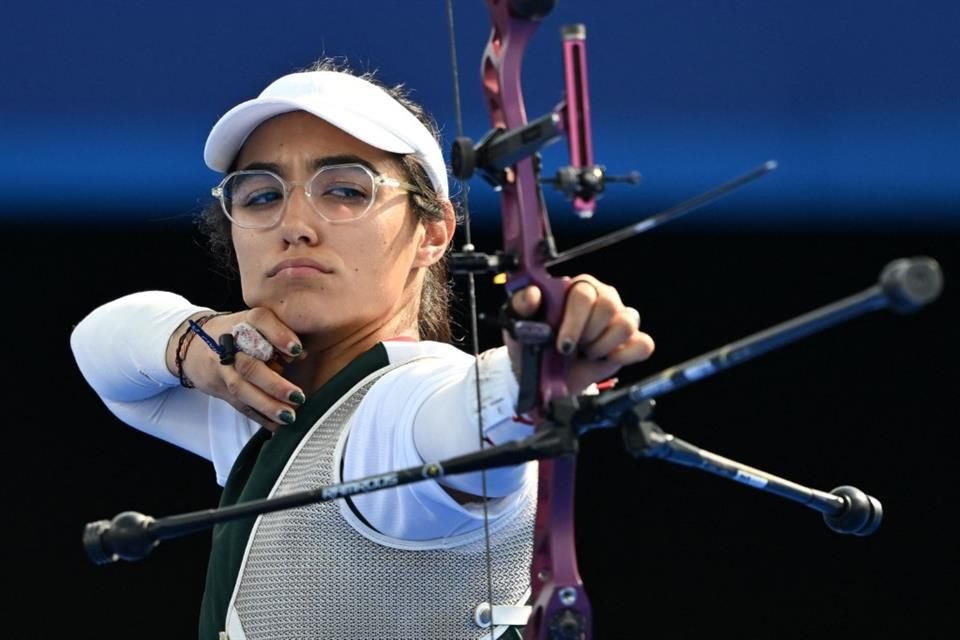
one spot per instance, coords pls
(542, 369)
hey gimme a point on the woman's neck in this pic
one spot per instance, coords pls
(327, 355)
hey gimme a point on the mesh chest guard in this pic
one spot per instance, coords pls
(309, 574)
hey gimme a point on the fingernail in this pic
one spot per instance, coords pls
(295, 349)
(297, 396)
(286, 416)
(566, 346)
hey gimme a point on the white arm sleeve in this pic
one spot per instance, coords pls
(426, 411)
(447, 424)
(121, 348)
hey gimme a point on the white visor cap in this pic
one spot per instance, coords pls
(363, 110)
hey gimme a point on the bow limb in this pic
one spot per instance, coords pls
(560, 605)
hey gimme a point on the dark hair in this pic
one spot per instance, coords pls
(434, 316)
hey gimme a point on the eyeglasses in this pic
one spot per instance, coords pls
(257, 199)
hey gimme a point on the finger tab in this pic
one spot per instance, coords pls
(252, 342)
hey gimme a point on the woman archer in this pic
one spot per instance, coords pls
(334, 210)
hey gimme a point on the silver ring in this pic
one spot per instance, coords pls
(588, 283)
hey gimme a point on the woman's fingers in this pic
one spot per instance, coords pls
(597, 330)
(619, 331)
(251, 383)
(255, 415)
(585, 314)
(595, 322)
(263, 376)
(591, 313)
(637, 348)
(276, 333)
(526, 301)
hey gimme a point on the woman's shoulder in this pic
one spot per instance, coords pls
(403, 351)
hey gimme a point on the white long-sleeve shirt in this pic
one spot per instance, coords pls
(421, 412)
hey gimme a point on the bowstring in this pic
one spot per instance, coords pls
(472, 301)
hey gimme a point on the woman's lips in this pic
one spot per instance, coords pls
(297, 272)
(298, 267)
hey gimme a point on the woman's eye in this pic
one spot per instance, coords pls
(262, 198)
(345, 192)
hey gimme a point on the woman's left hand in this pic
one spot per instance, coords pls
(597, 331)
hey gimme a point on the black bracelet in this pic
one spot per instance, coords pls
(181, 352)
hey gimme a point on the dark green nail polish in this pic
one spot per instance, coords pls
(566, 346)
(297, 396)
(295, 349)
(286, 416)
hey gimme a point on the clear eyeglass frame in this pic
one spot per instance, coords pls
(376, 180)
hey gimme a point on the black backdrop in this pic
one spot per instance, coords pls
(665, 551)
(105, 108)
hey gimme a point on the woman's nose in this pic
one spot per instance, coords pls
(299, 223)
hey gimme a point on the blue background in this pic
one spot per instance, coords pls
(106, 105)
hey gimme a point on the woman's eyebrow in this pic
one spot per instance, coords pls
(315, 164)
(263, 166)
(345, 158)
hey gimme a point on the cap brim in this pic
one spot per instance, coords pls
(232, 130)
(350, 103)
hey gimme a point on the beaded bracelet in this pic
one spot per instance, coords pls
(183, 345)
(225, 349)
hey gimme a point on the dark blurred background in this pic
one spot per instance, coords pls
(104, 114)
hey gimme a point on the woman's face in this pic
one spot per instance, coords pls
(360, 277)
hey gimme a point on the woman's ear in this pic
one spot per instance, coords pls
(438, 235)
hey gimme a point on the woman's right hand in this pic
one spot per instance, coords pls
(253, 387)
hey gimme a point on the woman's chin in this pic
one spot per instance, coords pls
(304, 325)
(307, 316)
(303, 319)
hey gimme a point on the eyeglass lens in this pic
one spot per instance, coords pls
(258, 198)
